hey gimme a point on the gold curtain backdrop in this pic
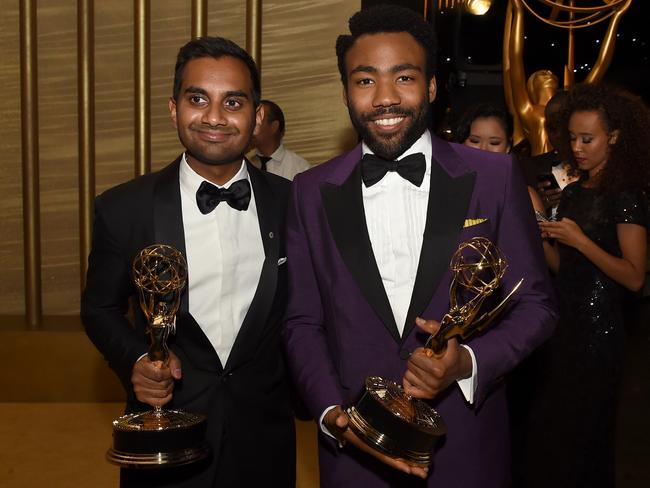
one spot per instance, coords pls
(299, 73)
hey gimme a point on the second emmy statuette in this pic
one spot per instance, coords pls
(159, 438)
(406, 428)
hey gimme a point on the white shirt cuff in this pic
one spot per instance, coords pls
(468, 385)
(322, 425)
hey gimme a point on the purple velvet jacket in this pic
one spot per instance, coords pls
(340, 328)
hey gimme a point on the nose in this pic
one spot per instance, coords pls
(385, 94)
(575, 145)
(213, 115)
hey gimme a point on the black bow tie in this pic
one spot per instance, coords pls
(237, 195)
(411, 168)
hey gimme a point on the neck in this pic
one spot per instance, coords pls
(219, 174)
(266, 149)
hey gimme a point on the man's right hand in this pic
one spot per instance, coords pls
(153, 383)
(337, 421)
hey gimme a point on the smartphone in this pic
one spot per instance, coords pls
(541, 217)
(550, 178)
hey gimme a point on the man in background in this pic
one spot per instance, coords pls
(270, 154)
(547, 172)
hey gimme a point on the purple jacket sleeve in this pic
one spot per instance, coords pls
(305, 335)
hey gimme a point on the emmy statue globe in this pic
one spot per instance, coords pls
(159, 438)
(406, 428)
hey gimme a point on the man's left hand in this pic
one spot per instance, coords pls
(429, 374)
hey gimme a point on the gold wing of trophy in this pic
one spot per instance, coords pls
(478, 268)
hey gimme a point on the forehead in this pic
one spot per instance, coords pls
(488, 124)
(385, 50)
(224, 73)
(587, 120)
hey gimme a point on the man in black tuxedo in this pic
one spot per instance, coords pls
(227, 219)
(537, 169)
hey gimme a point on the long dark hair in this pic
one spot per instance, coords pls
(629, 155)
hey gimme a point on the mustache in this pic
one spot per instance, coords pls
(396, 111)
(214, 128)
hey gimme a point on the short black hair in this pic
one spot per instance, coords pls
(553, 107)
(214, 47)
(483, 111)
(388, 18)
(274, 113)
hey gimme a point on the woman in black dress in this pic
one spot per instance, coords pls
(599, 251)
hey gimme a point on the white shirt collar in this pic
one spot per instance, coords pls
(190, 180)
(278, 154)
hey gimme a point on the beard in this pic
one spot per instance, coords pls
(390, 147)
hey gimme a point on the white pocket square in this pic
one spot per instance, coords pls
(281, 261)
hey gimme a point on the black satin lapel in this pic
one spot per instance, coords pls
(448, 204)
(258, 312)
(168, 215)
(345, 215)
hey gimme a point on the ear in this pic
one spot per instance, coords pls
(613, 137)
(172, 111)
(432, 89)
(259, 117)
(344, 93)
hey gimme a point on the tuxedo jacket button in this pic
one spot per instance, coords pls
(404, 354)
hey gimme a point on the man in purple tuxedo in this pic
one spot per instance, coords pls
(369, 239)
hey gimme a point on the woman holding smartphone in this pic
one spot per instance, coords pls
(599, 250)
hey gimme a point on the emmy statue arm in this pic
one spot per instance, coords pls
(531, 316)
(104, 301)
(507, 82)
(606, 52)
(517, 79)
(304, 332)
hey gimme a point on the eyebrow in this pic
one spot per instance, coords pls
(231, 93)
(195, 89)
(362, 68)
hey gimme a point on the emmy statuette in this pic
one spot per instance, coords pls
(406, 428)
(159, 438)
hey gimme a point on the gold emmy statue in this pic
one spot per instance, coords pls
(527, 99)
(402, 427)
(159, 438)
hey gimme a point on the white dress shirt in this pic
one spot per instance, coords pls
(284, 162)
(224, 257)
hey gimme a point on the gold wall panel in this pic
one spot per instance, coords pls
(11, 204)
(59, 180)
(299, 73)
